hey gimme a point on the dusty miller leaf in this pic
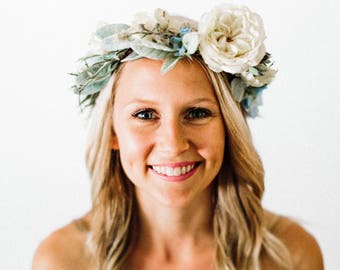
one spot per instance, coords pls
(115, 43)
(238, 88)
(95, 87)
(169, 64)
(152, 45)
(132, 56)
(254, 71)
(110, 29)
(151, 53)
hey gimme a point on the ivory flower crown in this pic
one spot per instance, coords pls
(229, 39)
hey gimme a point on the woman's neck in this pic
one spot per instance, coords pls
(170, 230)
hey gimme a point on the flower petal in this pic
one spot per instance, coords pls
(238, 88)
(231, 38)
(191, 41)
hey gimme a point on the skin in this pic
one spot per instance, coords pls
(165, 120)
(161, 120)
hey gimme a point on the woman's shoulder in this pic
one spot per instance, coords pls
(65, 248)
(302, 245)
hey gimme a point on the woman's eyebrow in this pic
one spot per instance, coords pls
(141, 100)
(201, 100)
(153, 102)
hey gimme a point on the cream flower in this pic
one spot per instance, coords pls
(165, 21)
(191, 41)
(231, 38)
(176, 23)
(143, 18)
(162, 18)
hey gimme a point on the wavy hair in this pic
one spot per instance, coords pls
(241, 233)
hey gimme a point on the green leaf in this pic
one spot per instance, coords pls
(114, 43)
(169, 64)
(132, 56)
(152, 45)
(95, 87)
(87, 57)
(151, 53)
(82, 77)
(93, 60)
(111, 56)
(110, 29)
(238, 88)
(254, 71)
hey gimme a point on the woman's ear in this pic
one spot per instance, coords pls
(114, 143)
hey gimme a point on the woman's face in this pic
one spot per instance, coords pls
(169, 131)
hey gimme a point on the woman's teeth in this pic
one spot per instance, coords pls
(170, 171)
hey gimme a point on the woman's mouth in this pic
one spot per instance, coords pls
(175, 171)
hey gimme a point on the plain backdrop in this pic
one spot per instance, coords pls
(43, 179)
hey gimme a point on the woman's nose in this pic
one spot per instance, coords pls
(173, 138)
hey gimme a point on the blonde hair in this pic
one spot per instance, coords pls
(241, 234)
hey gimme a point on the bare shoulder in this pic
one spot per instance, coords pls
(303, 247)
(64, 249)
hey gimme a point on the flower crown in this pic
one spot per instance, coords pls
(229, 39)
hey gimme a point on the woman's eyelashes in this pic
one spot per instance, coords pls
(145, 114)
(190, 115)
(197, 113)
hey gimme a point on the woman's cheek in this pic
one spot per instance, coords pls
(135, 142)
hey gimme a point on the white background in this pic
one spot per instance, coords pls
(43, 179)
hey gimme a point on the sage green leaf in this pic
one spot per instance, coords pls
(151, 53)
(262, 68)
(95, 87)
(93, 60)
(115, 43)
(238, 88)
(151, 44)
(254, 71)
(111, 56)
(82, 77)
(110, 29)
(87, 57)
(132, 56)
(169, 64)
(96, 72)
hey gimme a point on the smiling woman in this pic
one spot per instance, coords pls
(161, 124)
(177, 182)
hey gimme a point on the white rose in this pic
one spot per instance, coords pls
(257, 81)
(231, 38)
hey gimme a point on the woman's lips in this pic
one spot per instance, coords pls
(175, 171)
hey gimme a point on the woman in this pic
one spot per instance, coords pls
(177, 183)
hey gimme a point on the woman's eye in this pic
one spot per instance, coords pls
(144, 115)
(198, 113)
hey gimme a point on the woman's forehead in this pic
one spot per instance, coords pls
(142, 79)
(144, 73)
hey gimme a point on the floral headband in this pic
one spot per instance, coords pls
(229, 39)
